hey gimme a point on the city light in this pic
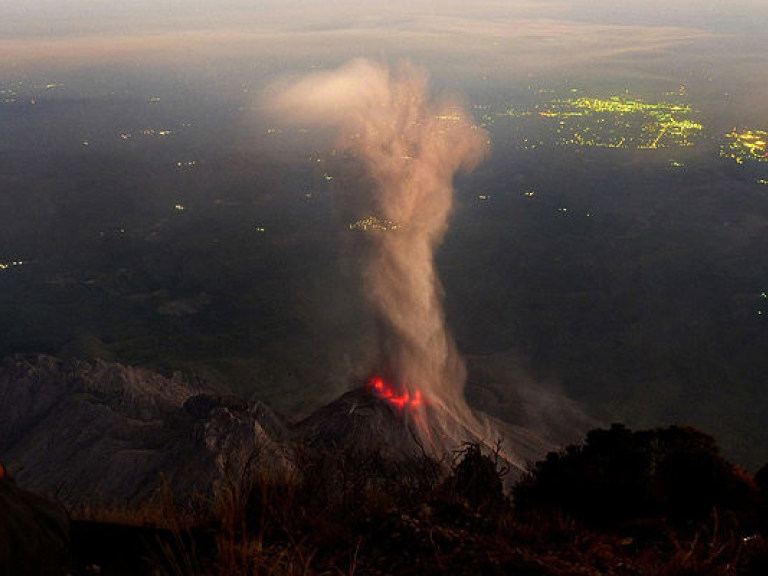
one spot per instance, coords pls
(373, 223)
(13, 264)
(618, 121)
(621, 122)
(745, 145)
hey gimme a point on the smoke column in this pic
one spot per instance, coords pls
(411, 146)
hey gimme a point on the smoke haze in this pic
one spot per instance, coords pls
(411, 146)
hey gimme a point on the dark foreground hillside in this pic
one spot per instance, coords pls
(657, 502)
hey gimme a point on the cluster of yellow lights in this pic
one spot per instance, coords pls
(515, 113)
(146, 132)
(5, 265)
(744, 145)
(621, 105)
(7, 96)
(622, 122)
(453, 117)
(484, 114)
(618, 121)
(373, 223)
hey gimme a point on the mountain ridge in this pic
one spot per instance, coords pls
(98, 433)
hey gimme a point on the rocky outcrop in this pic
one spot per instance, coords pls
(110, 434)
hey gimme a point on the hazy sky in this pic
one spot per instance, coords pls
(550, 32)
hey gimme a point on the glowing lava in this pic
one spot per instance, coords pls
(384, 390)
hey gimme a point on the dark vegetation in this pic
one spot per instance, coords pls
(619, 476)
(34, 532)
(656, 502)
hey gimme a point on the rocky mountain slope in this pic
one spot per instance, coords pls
(111, 434)
(108, 434)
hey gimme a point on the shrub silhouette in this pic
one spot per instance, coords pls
(477, 478)
(618, 475)
(761, 479)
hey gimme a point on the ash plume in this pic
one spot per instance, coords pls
(411, 146)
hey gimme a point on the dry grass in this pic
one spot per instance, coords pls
(161, 511)
(352, 514)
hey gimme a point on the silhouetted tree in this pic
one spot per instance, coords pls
(477, 478)
(618, 475)
(761, 480)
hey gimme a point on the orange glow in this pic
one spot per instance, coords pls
(386, 391)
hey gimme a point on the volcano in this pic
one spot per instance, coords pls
(98, 432)
(399, 424)
(361, 421)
